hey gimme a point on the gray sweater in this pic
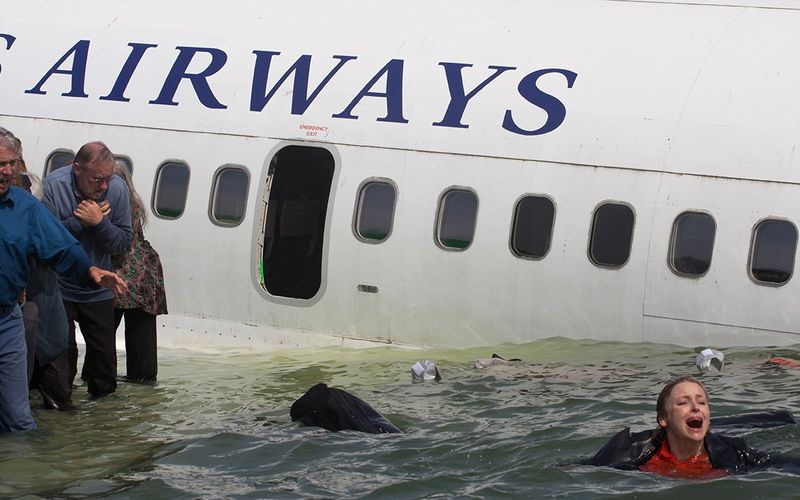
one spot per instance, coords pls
(110, 237)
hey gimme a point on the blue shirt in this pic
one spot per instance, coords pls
(111, 236)
(28, 228)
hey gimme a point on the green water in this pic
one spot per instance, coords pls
(217, 426)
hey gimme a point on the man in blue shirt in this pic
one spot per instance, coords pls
(94, 206)
(27, 228)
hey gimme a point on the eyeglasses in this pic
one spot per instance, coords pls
(101, 180)
(9, 163)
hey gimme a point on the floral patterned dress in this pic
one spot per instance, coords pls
(141, 269)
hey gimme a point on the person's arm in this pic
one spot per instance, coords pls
(53, 244)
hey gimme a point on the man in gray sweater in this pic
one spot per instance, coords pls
(93, 205)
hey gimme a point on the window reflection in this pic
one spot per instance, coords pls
(457, 219)
(533, 227)
(693, 243)
(230, 196)
(773, 252)
(172, 184)
(375, 211)
(612, 232)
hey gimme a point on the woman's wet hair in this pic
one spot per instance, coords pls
(138, 211)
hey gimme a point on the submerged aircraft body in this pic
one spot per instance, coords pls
(447, 173)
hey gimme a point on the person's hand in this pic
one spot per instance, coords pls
(105, 207)
(110, 280)
(22, 296)
(89, 213)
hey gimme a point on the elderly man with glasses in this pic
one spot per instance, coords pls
(93, 205)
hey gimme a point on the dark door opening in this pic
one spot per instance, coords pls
(294, 230)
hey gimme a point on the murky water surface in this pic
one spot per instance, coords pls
(217, 426)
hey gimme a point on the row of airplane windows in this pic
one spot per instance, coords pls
(771, 259)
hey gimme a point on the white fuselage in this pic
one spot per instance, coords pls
(663, 107)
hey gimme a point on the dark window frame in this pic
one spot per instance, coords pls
(672, 241)
(156, 185)
(437, 230)
(358, 206)
(593, 228)
(512, 232)
(215, 186)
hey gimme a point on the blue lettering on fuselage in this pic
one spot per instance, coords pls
(10, 39)
(385, 85)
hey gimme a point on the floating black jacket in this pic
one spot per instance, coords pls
(338, 410)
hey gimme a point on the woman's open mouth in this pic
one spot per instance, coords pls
(695, 423)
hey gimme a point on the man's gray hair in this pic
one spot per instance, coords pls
(9, 140)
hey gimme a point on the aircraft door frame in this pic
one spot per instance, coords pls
(292, 231)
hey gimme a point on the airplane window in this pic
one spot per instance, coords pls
(229, 196)
(375, 211)
(692, 243)
(612, 233)
(58, 159)
(457, 213)
(171, 188)
(772, 255)
(532, 227)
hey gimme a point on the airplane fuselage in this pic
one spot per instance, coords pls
(455, 174)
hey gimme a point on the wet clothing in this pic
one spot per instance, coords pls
(697, 467)
(628, 450)
(338, 410)
(27, 228)
(48, 362)
(141, 349)
(97, 326)
(15, 412)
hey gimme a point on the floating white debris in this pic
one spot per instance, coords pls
(708, 358)
(424, 370)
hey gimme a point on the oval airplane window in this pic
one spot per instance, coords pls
(532, 229)
(229, 196)
(458, 210)
(773, 251)
(692, 244)
(171, 189)
(375, 211)
(58, 159)
(611, 235)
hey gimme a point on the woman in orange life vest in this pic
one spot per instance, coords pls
(681, 446)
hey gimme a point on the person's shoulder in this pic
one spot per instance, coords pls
(117, 187)
(20, 196)
(58, 175)
(23, 200)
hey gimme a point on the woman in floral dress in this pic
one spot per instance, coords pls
(140, 267)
